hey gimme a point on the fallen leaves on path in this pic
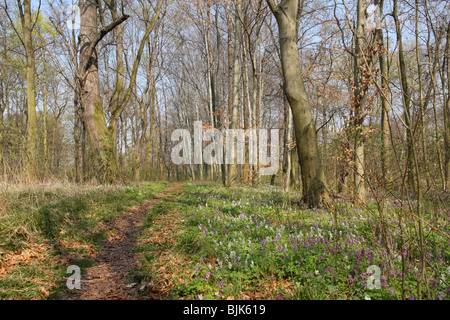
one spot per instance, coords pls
(109, 278)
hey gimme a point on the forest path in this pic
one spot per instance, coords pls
(109, 278)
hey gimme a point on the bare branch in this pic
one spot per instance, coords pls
(342, 32)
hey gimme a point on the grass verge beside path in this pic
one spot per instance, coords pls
(44, 229)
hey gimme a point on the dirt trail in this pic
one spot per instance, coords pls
(109, 278)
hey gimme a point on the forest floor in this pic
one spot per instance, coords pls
(46, 228)
(178, 241)
(110, 278)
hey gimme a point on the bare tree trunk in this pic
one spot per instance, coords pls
(201, 153)
(30, 153)
(209, 77)
(78, 137)
(433, 65)
(3, 105)
(447, 110)
(315, 190)
(150, 140)
(412, 157)
(385, 132)
(358, 104)
(100, 141)
(288, 146)
(158, 144)
(219, 116)
(248, 122)
(44, 121)
(256, 99)
(421, 98)
(406, 99)
(120, 69)
(101, 135)
(232, 174)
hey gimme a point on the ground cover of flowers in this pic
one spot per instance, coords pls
(247, 243)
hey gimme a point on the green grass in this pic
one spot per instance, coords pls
(149, 252)
(46, 228)
(210, 242)
(263, 244)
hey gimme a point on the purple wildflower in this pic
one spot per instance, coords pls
(279, 248)
(383, 281)
(328, 268)
(434, 283)
(350, 278)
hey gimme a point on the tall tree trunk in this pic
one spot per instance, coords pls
(421, 98)
(150, 140)
(385, 132)
(358, 104)
(248, 115)
(447, 109)
(406, 99)
(30, 153)
(232, 174)
(433, 65)
(101, 135)
(201, 144)
(436, 121)
(412, 161)
(288, 146)
(230, 61)
(219, 116)
(100, 141)
(315, 190)
(120, 69)
(209, 76)
(2, 106)
(158, 144)
(44, 118)
(78, 137)
(256, 99)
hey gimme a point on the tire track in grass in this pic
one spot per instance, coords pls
(110, 278)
